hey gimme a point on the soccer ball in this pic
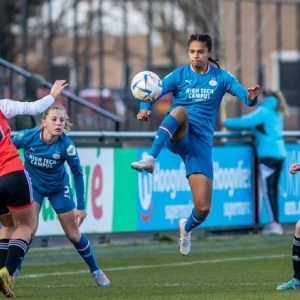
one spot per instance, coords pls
(146, 86)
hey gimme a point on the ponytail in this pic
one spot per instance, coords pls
(214, 61)
(282, 106)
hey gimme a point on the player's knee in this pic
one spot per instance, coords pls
(203, 210)
(180, 113)
(297, 230)
(73, 236)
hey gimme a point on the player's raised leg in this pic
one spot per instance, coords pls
(173, 127)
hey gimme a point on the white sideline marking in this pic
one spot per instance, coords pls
(178, 264)
(166, 284)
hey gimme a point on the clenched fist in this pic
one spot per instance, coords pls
(143, 115)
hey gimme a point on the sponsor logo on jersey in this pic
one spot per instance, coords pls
(71, 150)
(42, 161)
(199, 94)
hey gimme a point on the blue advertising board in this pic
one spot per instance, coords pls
(288, 193)
(164, 196)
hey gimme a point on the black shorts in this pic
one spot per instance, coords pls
(15, 191)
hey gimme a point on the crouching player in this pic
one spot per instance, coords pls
(46, 149)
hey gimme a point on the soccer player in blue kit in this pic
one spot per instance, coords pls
(46, 149)
(188, 128)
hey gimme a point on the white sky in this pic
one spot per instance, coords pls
(112, 19)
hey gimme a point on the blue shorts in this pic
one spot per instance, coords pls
(61, 201)
(195, 153)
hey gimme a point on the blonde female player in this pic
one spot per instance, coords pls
(46, 150)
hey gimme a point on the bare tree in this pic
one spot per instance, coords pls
(196, 15)
(11, 14)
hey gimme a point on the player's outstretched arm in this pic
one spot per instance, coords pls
(232, 86)
(11, 108)
(294, 168)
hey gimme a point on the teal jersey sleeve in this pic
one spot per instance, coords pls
(233, 87)
(73, 161)
(169, 84)
(249, 121)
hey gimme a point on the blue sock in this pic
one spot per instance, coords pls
(165, 132)
(84, 248)
(194, 220)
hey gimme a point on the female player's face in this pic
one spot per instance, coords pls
(198, 54)
(54, 122)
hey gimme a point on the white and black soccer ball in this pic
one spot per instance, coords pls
(146, 86)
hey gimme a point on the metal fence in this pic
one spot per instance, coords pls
(98, 45)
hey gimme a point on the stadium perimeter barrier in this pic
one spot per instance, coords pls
(119, 199)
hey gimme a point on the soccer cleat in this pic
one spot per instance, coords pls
(101, 278)
(6, 283)
(146, 164)
(293, 284)
(184, 244)
(272, 229)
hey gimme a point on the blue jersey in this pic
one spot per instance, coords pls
(201, 95)
(45, 163)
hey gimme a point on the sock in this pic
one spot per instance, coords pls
(194, 220)
(296, 257)
(3, 251)
(21, 262)
(165, 132)
(84, 248)
(16, 251)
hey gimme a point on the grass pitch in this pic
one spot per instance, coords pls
(235, 268)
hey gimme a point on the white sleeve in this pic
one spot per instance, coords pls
(11, 108)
